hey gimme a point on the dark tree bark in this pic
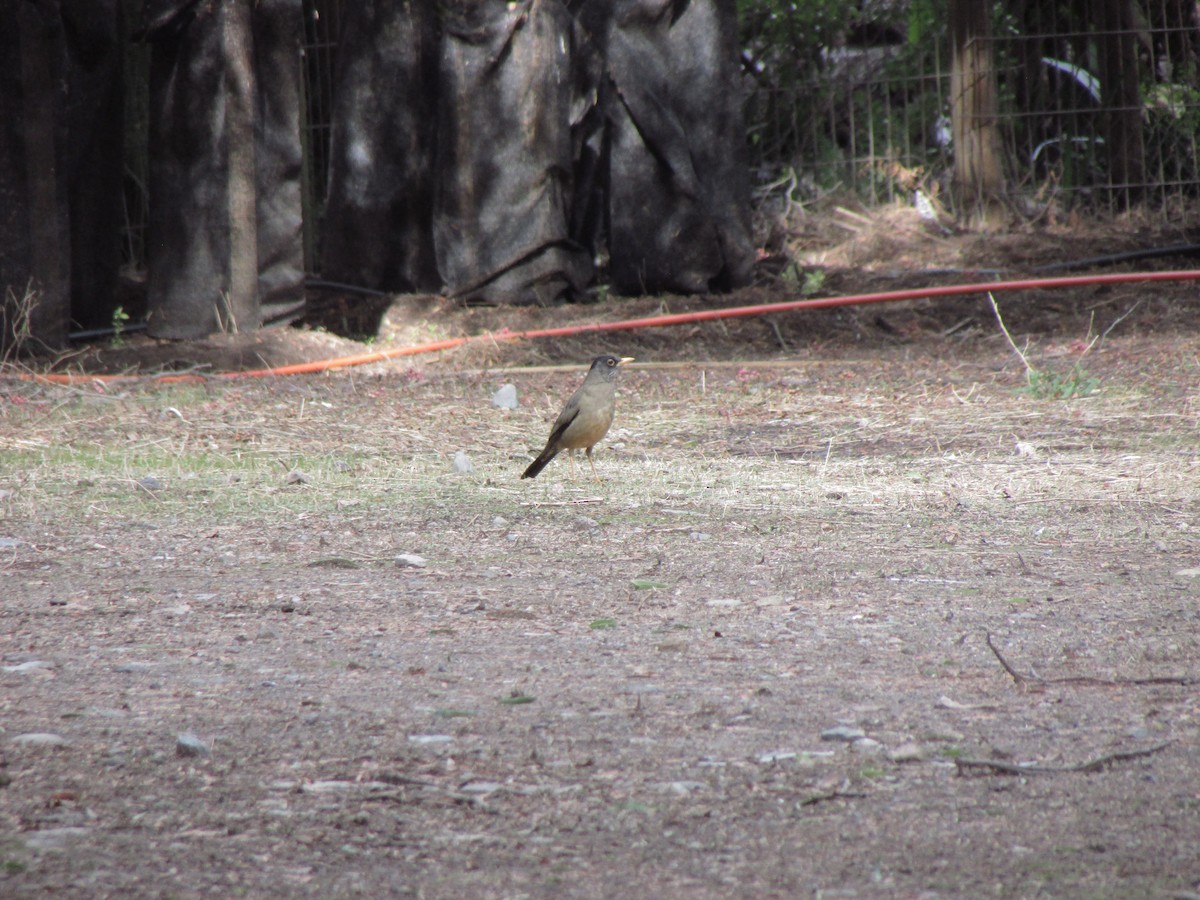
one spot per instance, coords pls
(35, 254)
(978, 165)
(1120, 82)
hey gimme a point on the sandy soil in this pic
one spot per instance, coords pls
(854, 611)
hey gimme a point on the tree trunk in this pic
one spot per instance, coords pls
(35, 256)
(1122, 98)
(978, 168)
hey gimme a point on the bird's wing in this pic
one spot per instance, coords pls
(565, 418)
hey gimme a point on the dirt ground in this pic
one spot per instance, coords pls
(855, 610)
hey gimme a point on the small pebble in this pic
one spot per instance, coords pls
(150, 483)
(410, 561)
(134, 667)
(505, 397)
(296, 476)
(40, 739)
(32, 667)
(430, 738)
(187, 744)
(481, 787)
(586, 523)
(843, 733)
(462, 464)
(51, 839)
(908, 752)
(867, 746)
(776, 756)
(681, 788)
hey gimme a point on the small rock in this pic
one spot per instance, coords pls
(499, 522)
(700, 536)
(681, 788)
(296, 476)
(908, 752)
(867, 746)
(8, 543)
(586, 523)
(505, 397)
(410, 561)
(430, 738)
(50, 839)
(776, 756)
(187, 744)
(481, 787)
(150, 483)
(462, 464)
(336, 787)
(843, 733)
(40, 739)
(33, 667)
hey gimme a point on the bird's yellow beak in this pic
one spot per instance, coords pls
(626, 359)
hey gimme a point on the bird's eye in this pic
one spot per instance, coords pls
(611, 363)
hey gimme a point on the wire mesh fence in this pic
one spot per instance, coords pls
(872, 118)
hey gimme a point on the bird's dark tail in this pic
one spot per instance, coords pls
(540, 463)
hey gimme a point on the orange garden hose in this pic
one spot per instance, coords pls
(704, 315)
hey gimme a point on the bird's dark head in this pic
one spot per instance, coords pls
(608, 362)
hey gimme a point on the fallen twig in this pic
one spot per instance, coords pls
(1092, 765)
(1023, 680)
(578, 501)
(447, 793)
(814, 799)
(1016, 676)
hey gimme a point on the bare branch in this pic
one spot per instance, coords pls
(1092, 765)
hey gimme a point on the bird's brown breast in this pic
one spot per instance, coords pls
(592, 419)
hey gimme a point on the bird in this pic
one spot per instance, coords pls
(585, 418)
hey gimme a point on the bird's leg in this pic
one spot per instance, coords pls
(593, 465)
(571, 457)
